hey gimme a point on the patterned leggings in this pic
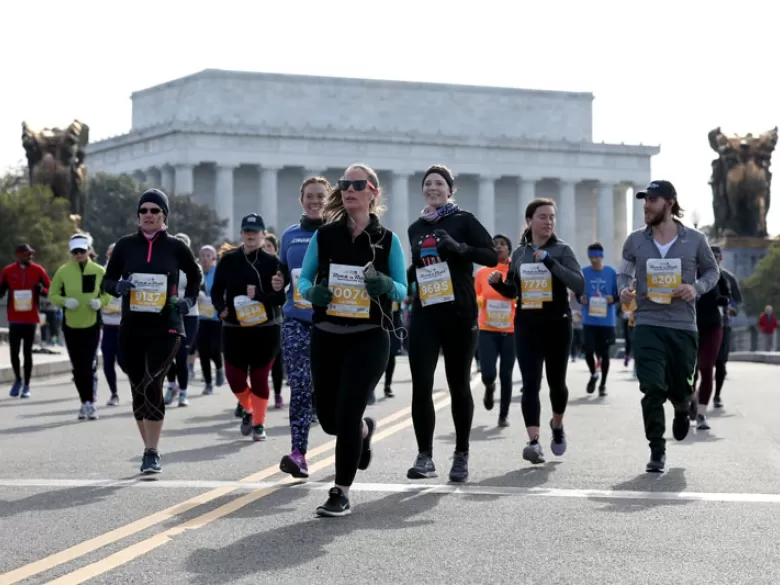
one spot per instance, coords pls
(296, 337)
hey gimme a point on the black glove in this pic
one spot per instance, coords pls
(319, 295)
(123, 287)
(446, 242)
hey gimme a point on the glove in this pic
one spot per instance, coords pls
(123, 287)
(184, 306)
(319, 294)
(378, 285)
(95, 304)
(447, 242)
(71, 304)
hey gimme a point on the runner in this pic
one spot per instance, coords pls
(353, 270)
(248, 301)
(77, 287)
(209, 327)
(446, 242)
(397, 335)
(725, 346)
(542, 270)
(665, 256)
(629, 317)
(25, 281)
(496, 332)
(296, 328)
(144, 269)
(271, 246)
(111, 315)
(598, 315)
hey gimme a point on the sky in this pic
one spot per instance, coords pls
(663, 73)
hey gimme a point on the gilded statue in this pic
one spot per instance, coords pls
(55, 157)
(741, 182)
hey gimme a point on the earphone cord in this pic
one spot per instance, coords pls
(389, 318)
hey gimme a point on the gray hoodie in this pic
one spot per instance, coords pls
(689, 256)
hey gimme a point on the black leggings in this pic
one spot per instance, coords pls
(277, 376)
(209, 346)
(345, 369)
(457, 339)
(541, 344)
(21, 336)
(720, 363)
(82, 347)
(389, 370)
(147, 359)
(495, 345)
(180, 370)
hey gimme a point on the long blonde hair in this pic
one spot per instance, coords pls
(334, 204)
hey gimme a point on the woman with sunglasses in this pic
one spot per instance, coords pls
(249, 304)
(446, 242)
(77, 288)
(296, 329)
(352, 272)
(144, 270)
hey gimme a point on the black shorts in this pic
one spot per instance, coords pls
(598, 339)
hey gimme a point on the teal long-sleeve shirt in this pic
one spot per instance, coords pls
(396, 261)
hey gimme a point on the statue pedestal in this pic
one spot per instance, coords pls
(741, 254)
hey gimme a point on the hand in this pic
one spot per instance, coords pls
(123, 287)
(540, 255)
(183, 305)
(277, 281)
(732, 312)
(223, 315)
(71, 304)
(627, 295)
(95, 304)
(494, 277)
(584, 300)
(250, 291)
(610, 299)
(379, 284)
(447, 242)
(686, 292)
(320, 295)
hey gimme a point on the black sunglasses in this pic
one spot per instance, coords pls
(78, 251)
(359, 184)
(152, 210)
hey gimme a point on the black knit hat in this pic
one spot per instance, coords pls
(154, 196)
(507, 240)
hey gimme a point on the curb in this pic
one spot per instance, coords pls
(42, 370)
(757, 357)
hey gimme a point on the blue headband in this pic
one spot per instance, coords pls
(595, 254)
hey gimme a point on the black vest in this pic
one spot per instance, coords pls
(335, 246)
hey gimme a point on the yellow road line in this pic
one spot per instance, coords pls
(107, 538)
(138, 549)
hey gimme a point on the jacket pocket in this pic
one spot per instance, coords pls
(88, 282)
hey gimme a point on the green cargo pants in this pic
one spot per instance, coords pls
(665, 366)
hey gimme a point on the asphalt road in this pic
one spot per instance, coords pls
(72, 508)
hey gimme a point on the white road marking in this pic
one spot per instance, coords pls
(419, 489)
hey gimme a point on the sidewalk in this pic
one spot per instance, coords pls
(44, 364)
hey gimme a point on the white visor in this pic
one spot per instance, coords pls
(79, 244)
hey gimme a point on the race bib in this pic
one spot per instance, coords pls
(23, 300)
(597, 306)
(663, 276)
(434, 284)
(149, 294)
(298, 300)
(248, 312)
(205, 306)
(498, 314)
(350, 299)
(536, 283)
(114, 307)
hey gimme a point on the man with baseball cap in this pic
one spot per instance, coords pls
(25, 281)
(672, 264)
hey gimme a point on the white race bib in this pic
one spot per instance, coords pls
(536, 283)
(298, 300)
(434, 284)
(150, 293)
(23, 300)
(248, 312)
(114, 307)
(663, 276)
(498, 314)
(597, 306)
(205, 306)
(350, 298)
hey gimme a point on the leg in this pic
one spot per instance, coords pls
(556, 346)
(296, 341)
(389, 371)
(159, 357)
(605, 339)
(720, 365)
(182, 356)
(530, 358)
(108, 347)
(424, 346)
(277, 376)
(507, 357)
(489, 343)
(459, 343)
(204, 353)
(15, 346)
(236, 371)
(264, 353)
(327, 359)
(28, 338)
(589, 341)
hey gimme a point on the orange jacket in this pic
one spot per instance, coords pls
(496, 312)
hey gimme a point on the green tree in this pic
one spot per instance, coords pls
(763, 287)
(111, 212)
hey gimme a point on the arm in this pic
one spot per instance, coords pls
(708, 268)
(507, 288)
(219, 285)
(57, 289)
(479, 245)
(191, 270)
(723, 292)
(46, 283)
(736, 293)
(568, 270)
(478, 288)
(613, 290)
(114, 270)
(627, 269)
(283, 267)
(397, 264)
(274, 297)
(311, 262)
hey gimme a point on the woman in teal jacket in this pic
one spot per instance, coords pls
(77, 287)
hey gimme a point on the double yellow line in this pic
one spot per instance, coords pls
(140, 548)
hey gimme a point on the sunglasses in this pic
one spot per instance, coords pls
(359, 184)
(78, 251)
(152, 210)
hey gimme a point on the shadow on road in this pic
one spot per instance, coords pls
(672, 482)
(57, 500)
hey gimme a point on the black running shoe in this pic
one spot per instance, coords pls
(681, 424)
(151, 462)
(657, 462)
(336, 506)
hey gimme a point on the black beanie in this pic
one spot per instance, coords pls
(154, 196)
(507, 240)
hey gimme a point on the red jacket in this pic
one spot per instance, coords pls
(24, 285)
(767, 325)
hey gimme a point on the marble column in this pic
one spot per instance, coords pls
(487, 202)
(224, 199)
(638, 207)
(184, 182)
(567, 212)
(139, 177)
(526, 192)
(269, 197)
(606, 221)
(167, 179)
(399, 203)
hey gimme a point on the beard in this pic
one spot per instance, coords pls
(656, 219)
